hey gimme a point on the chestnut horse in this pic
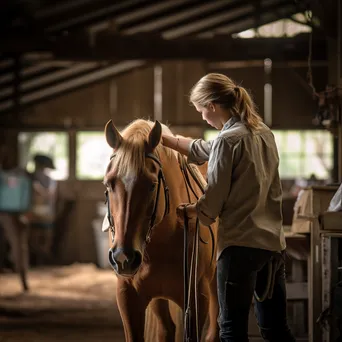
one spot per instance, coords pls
(145, 185)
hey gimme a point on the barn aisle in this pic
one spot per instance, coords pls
(73, 303)
(43, 334)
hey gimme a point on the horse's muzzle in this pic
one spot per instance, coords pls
(125, 262)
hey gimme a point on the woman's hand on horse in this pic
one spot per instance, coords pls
(188, 209)
(165, 139)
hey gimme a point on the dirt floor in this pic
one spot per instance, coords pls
(76, 294)
(71, 303)
(48, 334)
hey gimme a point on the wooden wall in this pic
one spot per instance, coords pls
(178, 78)
(131, 96)
(124, 98)
(292, 103)
(84, 107)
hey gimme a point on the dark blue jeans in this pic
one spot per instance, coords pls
(241, 271)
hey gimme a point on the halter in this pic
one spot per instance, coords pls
(161, 179)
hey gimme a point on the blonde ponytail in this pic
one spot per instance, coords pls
(220, 89)
(245, 108)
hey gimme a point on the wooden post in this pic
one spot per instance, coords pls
(298, 306)
(339, 84)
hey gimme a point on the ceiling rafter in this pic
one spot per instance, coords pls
(196, 26)
(84, 80)
(181, 16)
(95, 14)
(63, 6)
(46, 75)
(154, 9)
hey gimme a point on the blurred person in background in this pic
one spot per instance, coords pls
(43, 212)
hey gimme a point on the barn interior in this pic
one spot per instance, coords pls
(67, 67)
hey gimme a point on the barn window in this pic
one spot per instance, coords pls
(305, 153)
(302, 153)
(92, 155)
(52, 144)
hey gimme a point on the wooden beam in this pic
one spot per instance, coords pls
(150, 47)
(80, 13)
(174, 19)
(50, 91)
(106, 46)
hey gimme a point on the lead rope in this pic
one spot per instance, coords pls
(189, 279)
(273, 266)
(267, 291)
(193, 272)
(196, 277)
(187, 310)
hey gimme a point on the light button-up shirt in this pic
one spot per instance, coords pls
(243, 188)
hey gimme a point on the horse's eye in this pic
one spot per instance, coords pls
(109, 186)
(153, 187)
(106, 196)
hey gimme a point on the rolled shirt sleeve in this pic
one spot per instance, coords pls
(219, 176)
(199, 151)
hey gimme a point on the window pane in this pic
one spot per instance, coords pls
(310, 145)
(328, 143)
(290, 167)
(92, 156)
(313, 150)
(318, 142)
(52, 144)
(320, 167)
(292, 142)
(210, 134)
(278, 139)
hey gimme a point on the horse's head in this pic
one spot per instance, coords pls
(136, 192)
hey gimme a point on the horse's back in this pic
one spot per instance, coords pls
(203, 169)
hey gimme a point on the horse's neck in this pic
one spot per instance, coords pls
(179, 192)
(181, 181)
(170, 167)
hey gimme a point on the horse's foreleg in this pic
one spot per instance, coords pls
(166, 326)
(132, 308)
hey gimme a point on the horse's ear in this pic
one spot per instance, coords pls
(113, 136)
(155, 135)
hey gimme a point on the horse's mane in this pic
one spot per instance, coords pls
(130, 156)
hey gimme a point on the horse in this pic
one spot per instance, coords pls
(144, 186)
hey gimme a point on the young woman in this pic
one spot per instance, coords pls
(244, 192)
